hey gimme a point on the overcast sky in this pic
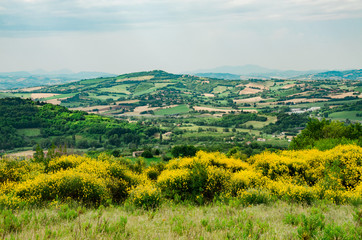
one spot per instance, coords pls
(120, 36)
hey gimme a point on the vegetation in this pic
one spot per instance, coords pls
(73, 188)
(326, 134)
(231, 177)
(64, 127)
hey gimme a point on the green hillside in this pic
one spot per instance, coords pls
(25, 123)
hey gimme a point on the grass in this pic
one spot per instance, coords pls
(105, 97)
(321, 104)
(148, 161)
(59, 96)
(93, 81)
(148, 88)
(219, 89)
(122, 88)
(220, 131)
(259, 125)
(29, 132)
(7, 94)
(174, 110)
(179, 221)
(351, 115)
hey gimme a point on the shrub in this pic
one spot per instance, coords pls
(253, 196)
(244, 180)
(146, 196)
(66, 162)
(64, 185)
(173, 182)
(147, 154)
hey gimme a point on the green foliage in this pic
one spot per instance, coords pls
(183, 151)
(53, 120)
(9, 222)
(327, 134)
(310, 225)
(253, 196)
(236, 120)
(287, 123)
(67, 213)
(147, 154)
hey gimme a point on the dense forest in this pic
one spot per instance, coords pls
(18, 117)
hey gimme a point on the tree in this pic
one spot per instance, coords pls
(184, 151)
(39, 154)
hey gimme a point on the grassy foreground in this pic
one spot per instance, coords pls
(303, 194)
(280, 220)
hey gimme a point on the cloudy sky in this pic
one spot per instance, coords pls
(121, 36)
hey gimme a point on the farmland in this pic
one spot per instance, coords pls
(212, 163)
(187, 107)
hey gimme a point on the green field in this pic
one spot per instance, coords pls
(117, 89)
(351, 115)
(174, 110)
(93, 81)
(59, 96)
(29, 132)
(219, 89)
(8, 94)
(148, 88)
(258, 125)
(105, 97)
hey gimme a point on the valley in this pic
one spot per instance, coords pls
(188, 109)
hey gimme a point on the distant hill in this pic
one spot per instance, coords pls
(226, 76)
(335, 75)
(250, 71)
(22, 79)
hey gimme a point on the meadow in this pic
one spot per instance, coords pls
(300, 194)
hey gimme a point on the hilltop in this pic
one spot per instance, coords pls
(23, 79)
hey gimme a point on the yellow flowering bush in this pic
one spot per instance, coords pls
(298, 176)
(245, 179)
(345, 164)
(174, 181)
(146, 196)
(64, 162)
(217, 181)
(18, 170)
(63, 184)
(292, 192)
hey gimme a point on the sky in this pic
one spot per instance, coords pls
(120, 36)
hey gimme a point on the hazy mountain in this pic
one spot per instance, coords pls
(238, 70)
(39, 77)
(227, 76)
(251, 71)
(335, 75)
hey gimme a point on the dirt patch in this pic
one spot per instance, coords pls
(306, 100)
(250, 100)
(301, 94)
(29, 89)
(248, 90)
(27, 154)
(343, 95)
(209, 95)
(210, 109)
(129, 101)
(42, 95)
(137, 111)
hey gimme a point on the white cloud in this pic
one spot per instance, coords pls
(175, 35)
(95, 15)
